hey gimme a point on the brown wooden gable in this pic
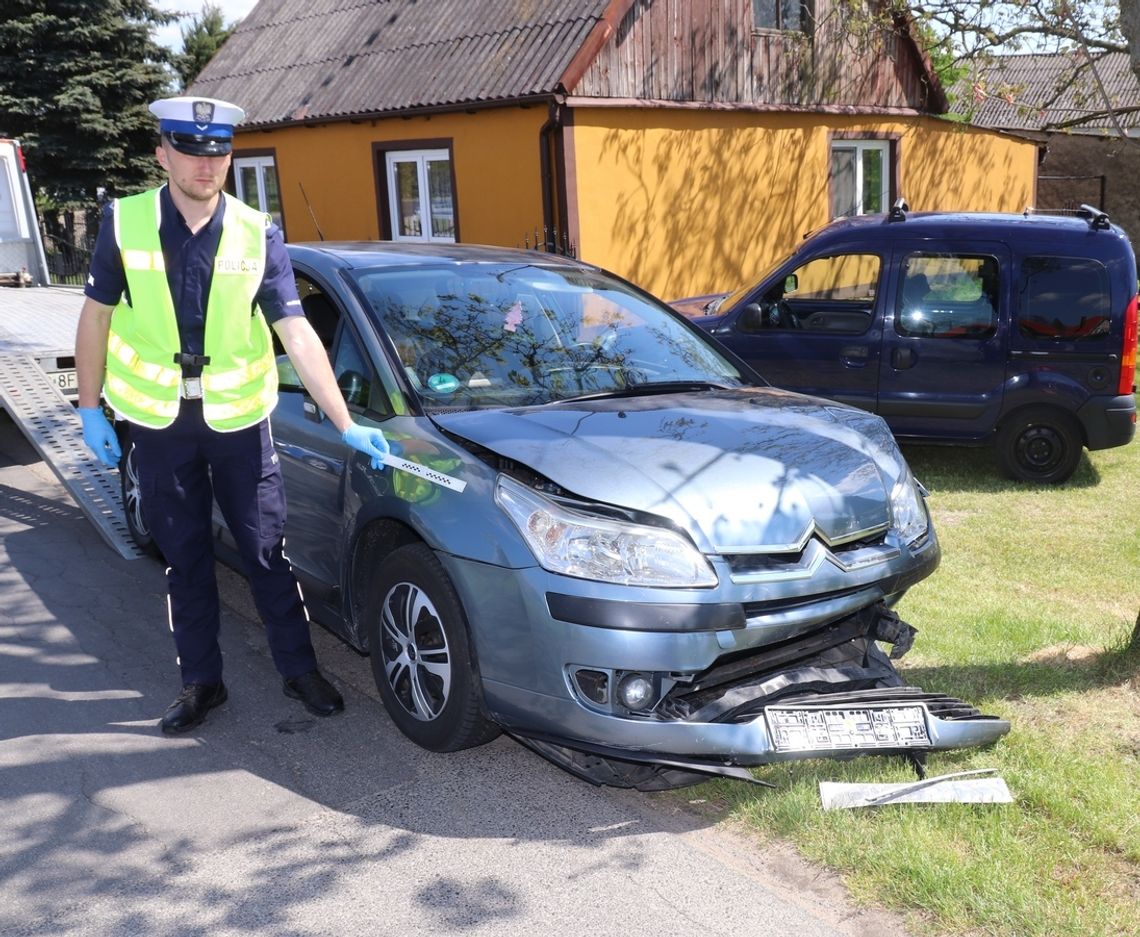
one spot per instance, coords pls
(682, 51)
(309, 61)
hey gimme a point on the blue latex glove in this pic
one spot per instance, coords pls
(369, 440)
(100, 435)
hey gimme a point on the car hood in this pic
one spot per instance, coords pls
(696, 307)
(742, 470)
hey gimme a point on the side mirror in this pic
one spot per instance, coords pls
(354, 388)
(288, 380)
(791, 283)
(751, 318)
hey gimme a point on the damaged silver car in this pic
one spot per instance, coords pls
(601, 533)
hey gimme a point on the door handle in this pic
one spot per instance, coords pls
(902, 358)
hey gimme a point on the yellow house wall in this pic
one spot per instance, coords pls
(495, 162)
(685, 202)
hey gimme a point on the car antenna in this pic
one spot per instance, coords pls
(312, 214)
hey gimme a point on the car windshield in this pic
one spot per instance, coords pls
(490, 335)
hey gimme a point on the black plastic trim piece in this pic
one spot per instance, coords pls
(645, 616)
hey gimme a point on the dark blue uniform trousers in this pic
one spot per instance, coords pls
(182, 470)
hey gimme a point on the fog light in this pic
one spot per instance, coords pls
(594, 685)
(635, 691)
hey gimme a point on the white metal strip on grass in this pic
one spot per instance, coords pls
(53, 427)
(961, 787)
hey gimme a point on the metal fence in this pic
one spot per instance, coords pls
(67, 263)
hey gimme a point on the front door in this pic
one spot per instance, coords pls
(817, 328)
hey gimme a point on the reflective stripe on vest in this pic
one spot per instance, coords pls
(239, 386)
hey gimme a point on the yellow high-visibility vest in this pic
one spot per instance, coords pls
(143, 382)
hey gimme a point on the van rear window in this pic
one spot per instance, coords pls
(1063, 299)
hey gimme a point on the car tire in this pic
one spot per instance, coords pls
(133, 509)
(421, 654)
(1039, 444)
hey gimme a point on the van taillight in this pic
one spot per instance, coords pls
(1128, 356)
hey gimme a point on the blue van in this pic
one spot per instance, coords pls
(1015, 330)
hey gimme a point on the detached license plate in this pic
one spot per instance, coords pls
(64, 380)
(833, 728)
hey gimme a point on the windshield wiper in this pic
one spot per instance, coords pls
(648, 389)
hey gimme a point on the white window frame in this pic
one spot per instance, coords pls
(421, 158)
(260, 164)
(861, 147)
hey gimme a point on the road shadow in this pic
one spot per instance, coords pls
(261, 818)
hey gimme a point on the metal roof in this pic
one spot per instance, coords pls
(1056, 91)
(298, 60)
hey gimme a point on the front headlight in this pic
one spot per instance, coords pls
(908, 513)
(601, 548)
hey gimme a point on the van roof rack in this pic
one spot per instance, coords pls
(899, 210)
(1097, 218)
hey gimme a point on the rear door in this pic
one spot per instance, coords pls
(816, 328)
(942, 369)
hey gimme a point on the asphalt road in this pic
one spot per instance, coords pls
(269, 822)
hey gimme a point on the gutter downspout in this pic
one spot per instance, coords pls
(552, 163)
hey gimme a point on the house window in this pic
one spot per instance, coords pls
(786, 15)
(421, 204)
(860, 177)
(255, 183)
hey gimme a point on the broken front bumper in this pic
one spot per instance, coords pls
(830, 694)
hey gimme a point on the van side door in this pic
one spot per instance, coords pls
(815, 328)
(944, 340)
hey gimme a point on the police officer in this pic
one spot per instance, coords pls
(185, 284)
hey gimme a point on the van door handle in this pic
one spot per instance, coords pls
(902, 358)
(854, 356)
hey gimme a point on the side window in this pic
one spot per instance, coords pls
(860, 175)
(320, 310)
(1063, 299)
(948, 296)
(785, 15)
(421, 202)
(354, 376)
(827, 294)
(255, 183)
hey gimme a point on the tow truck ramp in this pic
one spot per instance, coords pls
(52, 426)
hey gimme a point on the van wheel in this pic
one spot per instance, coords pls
(132, 498)
(1039, 444)
(421, 657)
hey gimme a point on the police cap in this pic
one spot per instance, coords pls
(197, 126)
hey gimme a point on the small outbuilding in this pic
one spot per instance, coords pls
(1083, 110)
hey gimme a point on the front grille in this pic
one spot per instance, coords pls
(944, 707)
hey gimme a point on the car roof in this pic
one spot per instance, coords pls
(987, 226)
(357, 254)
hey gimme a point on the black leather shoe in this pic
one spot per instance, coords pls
(189, 710)
(319, 696)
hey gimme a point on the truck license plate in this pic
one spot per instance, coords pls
(833, 728)
(64, 380)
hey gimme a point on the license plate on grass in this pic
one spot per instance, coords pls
(835, 728)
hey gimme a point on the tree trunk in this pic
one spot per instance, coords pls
(1130, 26)
(1135, 642)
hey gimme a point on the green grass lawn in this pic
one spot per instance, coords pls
(1029, 618)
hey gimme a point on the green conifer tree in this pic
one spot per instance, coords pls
(76, 77)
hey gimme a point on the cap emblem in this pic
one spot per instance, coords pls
(203, 113)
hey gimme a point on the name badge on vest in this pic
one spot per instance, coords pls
(236, 265)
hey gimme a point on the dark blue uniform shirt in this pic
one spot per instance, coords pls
(189, 269)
